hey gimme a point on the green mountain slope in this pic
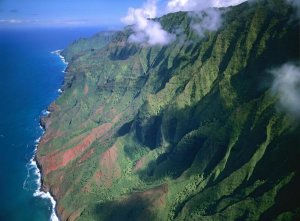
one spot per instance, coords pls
(188, 131)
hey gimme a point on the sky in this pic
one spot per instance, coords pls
(64, 12)
(106, 13)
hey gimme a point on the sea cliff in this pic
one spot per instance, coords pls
(187, 131)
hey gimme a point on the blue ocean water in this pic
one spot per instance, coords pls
(29, 79)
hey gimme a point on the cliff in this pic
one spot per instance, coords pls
(187, 131)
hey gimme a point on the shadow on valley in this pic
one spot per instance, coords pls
(133, 208)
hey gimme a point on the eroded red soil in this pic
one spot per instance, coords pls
(87, 155)
(109, 168)
(139, 164)
(57, 160)
(74, 216)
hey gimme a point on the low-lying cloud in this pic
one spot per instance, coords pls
(199, 5)
(150, 32)
(205, 15)
(146, 31)
(286, 86)
(206, 21)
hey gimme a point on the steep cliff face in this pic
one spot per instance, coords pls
(188, 131)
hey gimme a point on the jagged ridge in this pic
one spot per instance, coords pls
(189, 131)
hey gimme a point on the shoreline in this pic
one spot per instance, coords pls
(58, 53)
(41, 191)
(35, 172)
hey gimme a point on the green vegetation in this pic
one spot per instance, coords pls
(189, 131)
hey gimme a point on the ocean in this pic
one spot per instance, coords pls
(30, 76)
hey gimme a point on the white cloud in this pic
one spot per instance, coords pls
(150, 32)
(199, 5)
(205, 16)
(146, 31)
(11, 21)
(286, 86)
(208, 20)
(226, 3)
(185, 5)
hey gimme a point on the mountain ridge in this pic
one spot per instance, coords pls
(179, 132)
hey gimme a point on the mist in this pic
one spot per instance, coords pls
(146, 31)
(286, 86)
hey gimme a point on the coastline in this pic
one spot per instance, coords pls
(58, 53)
(41, 191)
(35, 172)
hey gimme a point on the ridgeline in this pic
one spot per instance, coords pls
(187, 131)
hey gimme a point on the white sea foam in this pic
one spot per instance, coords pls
(65, 69)
(58, 52)
(38, 192)
(33, 181)
(34, 170)
(37, 140)
(42, 194)
(63, 59)
(45, 112)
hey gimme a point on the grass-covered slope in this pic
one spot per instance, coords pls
(189, 131)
